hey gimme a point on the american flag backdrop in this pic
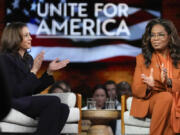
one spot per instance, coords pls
(81, 49)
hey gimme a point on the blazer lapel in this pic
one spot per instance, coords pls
(156, 68)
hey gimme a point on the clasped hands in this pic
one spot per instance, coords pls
(53, 65)
(149, 80)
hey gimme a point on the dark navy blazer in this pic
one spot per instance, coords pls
(24, 83)
(5, 97)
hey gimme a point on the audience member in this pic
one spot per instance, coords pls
(112, 92)
(124, 88)
(15, 42)
(100, 96)
(111, 89)
(156, 76)
(60, 87)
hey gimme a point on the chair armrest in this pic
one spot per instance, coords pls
(123, 108)
(79, 105)
(17, 117)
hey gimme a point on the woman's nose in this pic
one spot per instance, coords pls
(30, 37)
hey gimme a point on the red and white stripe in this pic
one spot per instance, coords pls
(93, 54)
(83, 49)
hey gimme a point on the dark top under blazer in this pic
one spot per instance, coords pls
(23, 83)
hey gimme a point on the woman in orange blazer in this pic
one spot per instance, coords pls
(157, 76)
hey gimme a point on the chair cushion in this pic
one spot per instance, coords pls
(74, 115)
(132, 130)
(70, 128)
(16, 117)
(13, 128)
(130, 120)
(68, 98)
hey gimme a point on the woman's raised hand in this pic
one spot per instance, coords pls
(149, 80)
(37, 62)
(56, 65)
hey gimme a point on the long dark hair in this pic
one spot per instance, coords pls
(174, 42)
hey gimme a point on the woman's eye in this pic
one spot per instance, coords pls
(152, 35)
(158, 35)
(161, 34)
(27, 35)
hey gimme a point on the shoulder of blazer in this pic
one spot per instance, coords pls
(7, 57)
(11, 61)
(140, 58)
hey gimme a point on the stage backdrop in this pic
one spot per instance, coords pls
(100, 37)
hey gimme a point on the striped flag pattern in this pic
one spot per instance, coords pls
(81, 49)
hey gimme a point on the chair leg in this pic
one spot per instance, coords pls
(79, 105)
(123, 107)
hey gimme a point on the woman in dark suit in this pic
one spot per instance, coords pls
(22, 70)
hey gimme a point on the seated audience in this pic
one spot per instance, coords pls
(60, 87)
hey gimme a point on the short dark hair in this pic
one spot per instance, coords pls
(56, 85)
(124, 88)
(109, 82)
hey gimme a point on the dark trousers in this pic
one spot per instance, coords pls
(51, 112)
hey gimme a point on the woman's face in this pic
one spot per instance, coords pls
(100, 97)
(111, 90)
(26, 42)
(159, 37)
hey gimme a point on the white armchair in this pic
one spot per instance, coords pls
(129, 124)
(17, 122)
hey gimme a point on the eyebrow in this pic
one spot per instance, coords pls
(159, 32)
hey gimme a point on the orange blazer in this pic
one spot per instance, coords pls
(140, 102)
